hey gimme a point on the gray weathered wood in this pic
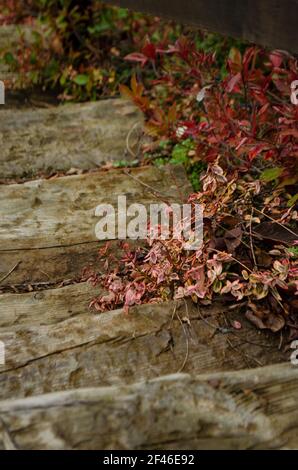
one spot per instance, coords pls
(46, 307)
(48, 226)
(61, 211)
(50, 265)
(69, 136)
(249, 409)
(53, 342)
(272, 23)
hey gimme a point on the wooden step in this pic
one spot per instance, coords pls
(248, 409)
(54, 342)
(47, 227)
(82, 136)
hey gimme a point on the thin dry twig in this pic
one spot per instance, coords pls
(245, 340)
(276, 222)
(250, 239)
(173, 314)
(151, 189)
(186, 337)
(236, 348)
(10, 272)
(232, 257)
(128, 147)
(215, 327)
(280, 340)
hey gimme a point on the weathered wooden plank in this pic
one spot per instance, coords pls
(249, 409)
(61, 211)
(271, 23)
(69, 136)
(49, 265)
(45, 307)
(47, 228)
(53, 342)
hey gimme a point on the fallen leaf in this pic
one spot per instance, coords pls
(237, 325)
(269, 321)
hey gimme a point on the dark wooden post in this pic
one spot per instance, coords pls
(271, 23)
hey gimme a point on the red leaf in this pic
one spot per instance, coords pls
(137, 57)
(237, 325)
(149, 51)
(254, 152)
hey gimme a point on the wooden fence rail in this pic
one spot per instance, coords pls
(271, 23)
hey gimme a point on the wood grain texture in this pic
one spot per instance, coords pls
(50, 265)
(47, 227)
(61, 211)
(249, 409)
(271, 23)
(53, 342)
(69, 136)
(45, 307)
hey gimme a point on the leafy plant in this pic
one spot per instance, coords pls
(243, 115)
(219, 107)
(227, 264)
(78, 48)
(238, 122)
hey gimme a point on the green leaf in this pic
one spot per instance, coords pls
(235, 55)
(122, 13)
(81, 79)
(125, 163)
(292, 200)
(33, 58)
(271, 174)
(163, 144)
(180, 152)
(160, 161)
(9, 58)
(294, 251)
(99, 28)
